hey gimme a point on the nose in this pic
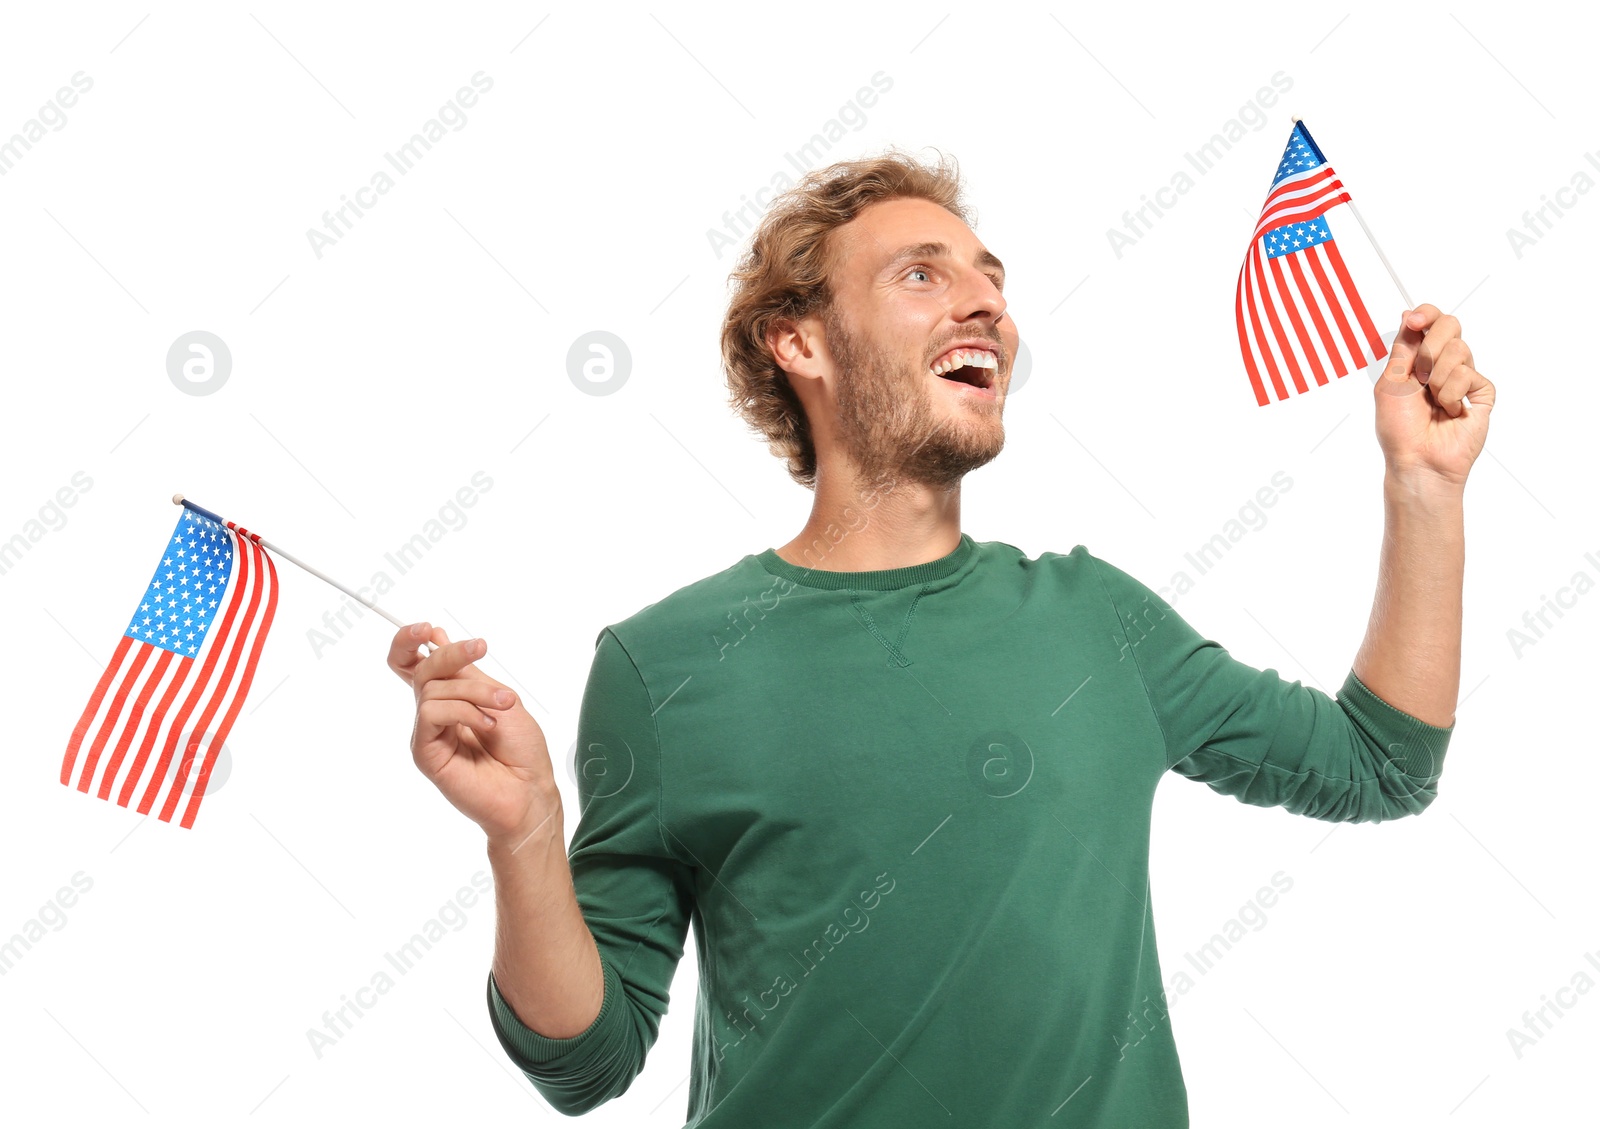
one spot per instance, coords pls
(977, 297)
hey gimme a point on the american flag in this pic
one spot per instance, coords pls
(1297, 309)
(190, 648)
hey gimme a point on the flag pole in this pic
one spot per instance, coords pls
(1354, 211)
(180, 500)
(1466, 404)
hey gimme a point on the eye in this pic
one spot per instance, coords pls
(919, 270)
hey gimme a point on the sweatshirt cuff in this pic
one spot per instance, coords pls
(526, 1045)
(1417, 747)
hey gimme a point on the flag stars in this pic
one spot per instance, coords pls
(179, 607)
(1296, 236)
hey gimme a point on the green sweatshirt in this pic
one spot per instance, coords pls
(907, 814)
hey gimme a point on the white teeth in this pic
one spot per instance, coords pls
(975, 358)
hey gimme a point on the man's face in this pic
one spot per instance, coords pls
(911, 281)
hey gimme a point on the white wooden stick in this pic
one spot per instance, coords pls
(1398, 285)
(180, 500)
(1466, 404)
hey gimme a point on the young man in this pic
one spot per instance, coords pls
(897, 781)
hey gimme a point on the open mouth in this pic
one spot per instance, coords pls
(972, 366)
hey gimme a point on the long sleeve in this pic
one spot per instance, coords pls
(635, 894)
(1266, 741)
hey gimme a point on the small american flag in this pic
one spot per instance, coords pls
(190, 648)
(1297, 309)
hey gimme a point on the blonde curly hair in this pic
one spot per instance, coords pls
(784, 275)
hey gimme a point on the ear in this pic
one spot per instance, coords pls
(798, 346)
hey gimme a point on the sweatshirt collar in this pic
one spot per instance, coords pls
(875, 580)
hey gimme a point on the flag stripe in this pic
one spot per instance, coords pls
(1329, 345)
(1289, 361)
(245, 679)
(128, 731)
(230, 681)
(246, 551)
(1299, 184)
(241, 576)
(1314, 261)
(1310, 199)
(1292, 309)
(152, 731)
(1259, 337)
(1304, 215)
(1244, 343)
(92, 708)
(118, 700)
(1374, 339)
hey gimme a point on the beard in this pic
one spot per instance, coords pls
(890, 425)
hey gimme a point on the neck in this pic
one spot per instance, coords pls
(858, 525)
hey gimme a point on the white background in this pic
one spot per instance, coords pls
(368, 385)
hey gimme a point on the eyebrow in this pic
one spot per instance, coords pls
(984, 258)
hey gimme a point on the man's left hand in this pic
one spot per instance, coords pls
(1432, 405)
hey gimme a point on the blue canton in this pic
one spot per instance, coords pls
(182, 599)
(1300, 155)
(1292, 237)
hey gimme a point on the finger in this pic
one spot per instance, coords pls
(404, 652)
(483, 693)
(1407, 339)
(1465, 389)
(1444, 330)
(1480, 391)
(1421, 317)
(436, 715)
(450, 659)
(1454, 354)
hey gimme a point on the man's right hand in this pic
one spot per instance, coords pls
(474, 739)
